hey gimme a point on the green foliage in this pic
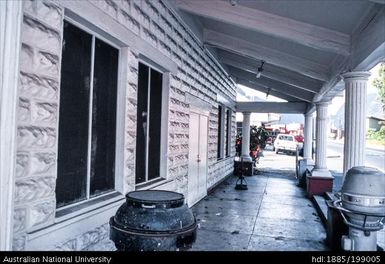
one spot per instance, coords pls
(376, 135)
(238, 143)
(379, 83)
(258, 136)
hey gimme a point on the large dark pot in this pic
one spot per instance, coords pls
(153, 220)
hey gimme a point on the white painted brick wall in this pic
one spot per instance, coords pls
(37, 118)
(38, 106)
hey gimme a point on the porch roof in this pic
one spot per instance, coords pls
(305, 45)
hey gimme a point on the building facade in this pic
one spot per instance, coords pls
(113, 96)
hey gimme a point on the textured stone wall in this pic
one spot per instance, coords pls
(197, 75)
(219, 169)
(130, 125)
(37, 118)
(95, 239)
(178, 141)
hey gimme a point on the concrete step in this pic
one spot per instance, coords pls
(321, 207)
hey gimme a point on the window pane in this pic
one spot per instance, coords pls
(141, 128)
(73, 116)
(102, 176)
(219, 131)
(155, 124)
(228, 132)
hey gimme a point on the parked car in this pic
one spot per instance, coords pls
(287, 143)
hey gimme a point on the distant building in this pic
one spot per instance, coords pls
(375, 116)
(287, 123)
(374, 123)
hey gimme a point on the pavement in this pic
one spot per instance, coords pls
(373, 157)
(272, 215)
(368, 144)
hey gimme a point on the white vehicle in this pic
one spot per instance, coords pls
(286, 143)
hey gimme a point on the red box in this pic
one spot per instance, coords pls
(318, 185)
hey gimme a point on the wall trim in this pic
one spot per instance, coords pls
(215, 185)
(49, 237)
(198, 105)
(11, 15)
(98, 20)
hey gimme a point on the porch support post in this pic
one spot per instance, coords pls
(355, 118)
(307, 146)
(320, 180)
(246, 137)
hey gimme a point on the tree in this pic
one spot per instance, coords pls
(258, 136)
(379, 83)
(238, 144)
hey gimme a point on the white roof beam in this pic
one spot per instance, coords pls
(272, 107)
(262, 89)
(281, 76)
(271, 56)
(274, 85)
(368, 49)
(279, 93)
(282, 27)
(368, 41)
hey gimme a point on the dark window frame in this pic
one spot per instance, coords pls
(150, 102)
(228, 131)
(221, 130)
(96, 39)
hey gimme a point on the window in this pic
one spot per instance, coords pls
(224, 132)
(87, 117)
(228, 132)
(221, 123)
(149, 117)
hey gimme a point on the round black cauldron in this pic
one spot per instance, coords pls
(153, 220)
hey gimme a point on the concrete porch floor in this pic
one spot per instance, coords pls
(272, 215)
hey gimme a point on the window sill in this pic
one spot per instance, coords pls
(225, 158)
(151, 184)
(64, 228)
(77, 209)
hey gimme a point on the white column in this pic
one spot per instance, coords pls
(320, 168)
(246, 137)
(308, 134)
(355, 118)
(10, 24)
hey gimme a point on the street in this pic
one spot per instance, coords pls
(374, 158)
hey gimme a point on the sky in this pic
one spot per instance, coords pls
(259, 94)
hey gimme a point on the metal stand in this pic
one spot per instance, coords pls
(362, 234)
(241, 183)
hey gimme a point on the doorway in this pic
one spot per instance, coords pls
(197, 173)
